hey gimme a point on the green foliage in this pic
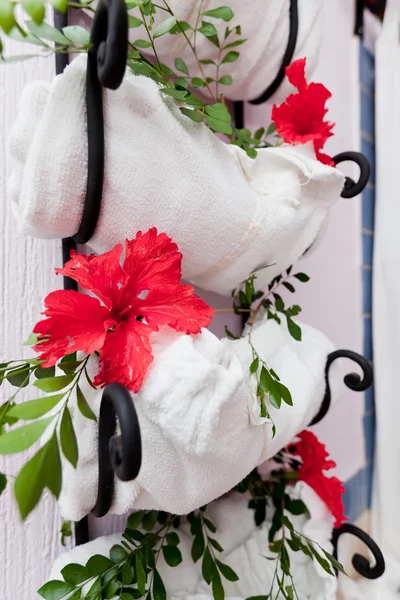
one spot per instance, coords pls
(65, 531)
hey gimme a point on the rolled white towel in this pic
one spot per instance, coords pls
(228, 214)
(245, 547)
(265, 26)
(199, 419)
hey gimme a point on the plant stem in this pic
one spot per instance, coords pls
(151, 39)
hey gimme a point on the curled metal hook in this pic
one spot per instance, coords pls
(360, 563)
(106, 65)
(121, 454)
(351, 188)
(353, 381)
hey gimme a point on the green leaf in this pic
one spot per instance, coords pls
(334, 562)
(218, 126)
(294, 329)
(180, 65)
(324, 563)
(141, 44)
(96, 587)
(54, 384)
(47, 32)
(226, 80)
(164, 27)
(42, 470)
(274, 394)
(296, 507)
(66, 531)
(207, 566)
(192, 114)
(140, 575)
(271, 129)
(33, 409)
(118, 553)
(134, 22)
(98, 564)
(210, 525)
(302, 277)
(265, 379)
(68, 439)
(172, 539)
(223, 12)
(215, 544)
(207, 29)
(83, 406)
(180, 27)
(149, 520)
(198, 547)
(22, 438)
(35, 9)
(227, 572)
(207, 61)
(55, 590)
(77, 35)
(111, 590)
(174, 93)
(217, 587)
(32, 340)
(60, 5)
(127, 574)
(218, 111)
(7, 19)
(172, 555)
(135, 519)
(3, 483)
(75, 573)
(231, 335)
(44, 373)
(234, 44)
(284, 393)
(159, 591)
(19, 377)
(141, 68)
(196, 82)
(289, 286)
(232, 56)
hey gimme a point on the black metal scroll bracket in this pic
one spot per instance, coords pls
(121, 454)
(361, 563)
(353, 381)
(105, 68)
(351, 188)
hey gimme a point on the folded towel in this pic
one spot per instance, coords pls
(265, 26)
(163, 170)
(245, 547)
(199, 418)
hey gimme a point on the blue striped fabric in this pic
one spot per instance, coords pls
(359, 488)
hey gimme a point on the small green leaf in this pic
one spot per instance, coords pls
(289, 287)
(198, 547)
(60, 5)
(230, 57)
(210, 525)
(7, 19)
(302, 277)
(55, 590)
(35, 9)
(77, 35)
(172, 555)
(223, 12)
(337, 565)
(207, 29)
(75, 573)
(215, 544)
(33, 409)
(54, 384)
(218, 126)
(274, 394)
(227, 572)
(207, 566)
(111, 590)
(22, 438)
(47, 32)
(231, 335)
(19, 377)
(294, 329)
(296, 507)
(218, 111)
(117, 553)
(32, 340)
(127, 574)
(68, 439)
(135, 519)
(324, 563)
(172, 539)
(234, 44)
(180, 65)
(3, 483)
(265, 379)
(196, 82)
(284, 393)
(164, 27)
(149, 520)
(271, 129)
(98, 564)
(140, 575)
(217, 587)
(83, 406)
(44, 373)
(226, 80)
(66, 531)
(192, 114)
(159, 591)
(141, 44)
(134, 22)
(180, 27)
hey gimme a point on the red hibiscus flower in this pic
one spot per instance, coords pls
(313, 456)
(300, 119)
(133, 301)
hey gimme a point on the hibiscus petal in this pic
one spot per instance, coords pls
(176, 306)
(75, 322)
(125, 356)
(296, 73)
(151, 260)
(101, 274)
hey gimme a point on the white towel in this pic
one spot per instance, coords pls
(201, 430)
(265, 25)
(245, 546)
(227, 213)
